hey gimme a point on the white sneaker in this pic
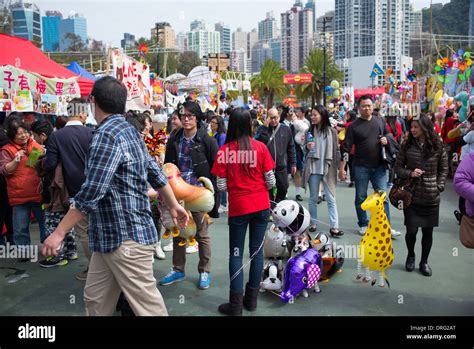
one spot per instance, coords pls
(395, 233)
(192, 249)
(168, 248)
(362, 230)
(159, 252)
(222, 209)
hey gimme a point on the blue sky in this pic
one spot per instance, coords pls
(107, 20)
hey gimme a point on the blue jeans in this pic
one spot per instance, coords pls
(224, 198)
(21, 222)
(378, 177)
(237, 229)
(314, 181)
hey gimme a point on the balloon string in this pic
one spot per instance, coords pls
(251, 258)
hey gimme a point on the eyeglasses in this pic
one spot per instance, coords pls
(187, 116)
(214, 122)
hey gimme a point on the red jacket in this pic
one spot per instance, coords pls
(23, 185)
(448, 126)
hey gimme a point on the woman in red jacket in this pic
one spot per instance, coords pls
(450, 121)
(244, 168)
(23, 184)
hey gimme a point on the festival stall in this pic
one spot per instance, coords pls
(79, 70)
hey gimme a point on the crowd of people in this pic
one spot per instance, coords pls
(99, 186)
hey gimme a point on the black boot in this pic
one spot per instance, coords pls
(250, 298)
(410, 264)
(425, 269)
(234, 307)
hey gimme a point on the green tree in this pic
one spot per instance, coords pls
(187, 61)
(314, 64)
(75, 43)
(5, 21)
(268, 84)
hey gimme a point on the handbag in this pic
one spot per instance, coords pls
(401, 193)
(466, 231)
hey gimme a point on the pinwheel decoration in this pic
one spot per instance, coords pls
(443, 68)
(142, 51)
(463, 62)
(411, 75)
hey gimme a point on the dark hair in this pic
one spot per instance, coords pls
(61, 121)
(222, 97)
(392, 122)
(301, 109)
(253, 114)
(220, 124)
(285, 111)
(364, 98)
(40, 127)
(209, 115)
(228, 111)
(352, 116)
(324, 125)
(110, 95)
(449, 113)
(193, 107)
(12, 127)
(240, 130)
(138, 123)
(76, 106)
(15, 116)
(432, 140)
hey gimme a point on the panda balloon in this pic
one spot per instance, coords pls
(291, 217)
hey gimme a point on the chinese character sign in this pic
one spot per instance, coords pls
(136, 77)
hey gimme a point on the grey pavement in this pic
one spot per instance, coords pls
(449, 292)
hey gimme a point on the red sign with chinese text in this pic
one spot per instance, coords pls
(297, 79)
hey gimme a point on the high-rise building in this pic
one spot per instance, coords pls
(75, 24)
(252, 39)
(128, 41)
(312, 6)
(164, 34)
(268, 28)
(471, 24)
(368, 32)
(226, 38)
(238, 60)
(325, 31)
(275, 45)
(181, 42)
(50, 30)
(416, 21)
(239, 40)
(26, 21)
(198, 25)
(203, 42)
(297, 32)
(261, 51)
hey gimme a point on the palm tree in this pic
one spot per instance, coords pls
(314, 64)
(269, 82)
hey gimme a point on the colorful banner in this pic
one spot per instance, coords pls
(158, 94)
(49, 104)
(12, 78)
(297, 79)
(136, 77)
(22, 101)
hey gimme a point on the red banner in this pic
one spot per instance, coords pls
(297, 79)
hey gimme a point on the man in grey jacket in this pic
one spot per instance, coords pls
(280, 143)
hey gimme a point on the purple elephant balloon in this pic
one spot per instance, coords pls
(301, 272)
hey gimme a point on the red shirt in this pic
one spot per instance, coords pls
(247, 194)
(399, 131)
(448, 126)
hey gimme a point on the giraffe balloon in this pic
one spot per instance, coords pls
(375, 249)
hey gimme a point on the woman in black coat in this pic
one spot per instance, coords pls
(423, 158)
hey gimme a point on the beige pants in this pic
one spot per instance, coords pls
(129, 269)
(81, 229)
(204, 240)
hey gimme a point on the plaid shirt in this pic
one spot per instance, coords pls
(185, 163)
(114, 194)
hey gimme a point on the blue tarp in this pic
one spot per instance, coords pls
(77, 69)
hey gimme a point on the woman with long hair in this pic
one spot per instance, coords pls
(450, 121)
(244, 168)
(321, 166)
(423, 158)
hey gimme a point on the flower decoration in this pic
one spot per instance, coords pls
(142, 51)
(463, 62)
(156, 145)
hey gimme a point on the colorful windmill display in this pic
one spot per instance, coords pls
(463, 61)
(443, 67)
(142, 52)
(156, 145)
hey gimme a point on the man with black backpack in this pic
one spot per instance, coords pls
(369, 135)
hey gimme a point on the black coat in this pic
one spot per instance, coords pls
(431, 183)
(285, 146)
(203, 154)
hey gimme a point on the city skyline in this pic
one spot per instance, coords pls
(131, 18)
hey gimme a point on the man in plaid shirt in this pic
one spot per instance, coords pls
(122, 235)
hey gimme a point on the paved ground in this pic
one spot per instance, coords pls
(448, 292)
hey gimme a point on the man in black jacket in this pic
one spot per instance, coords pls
(279, 140)
(193, 151)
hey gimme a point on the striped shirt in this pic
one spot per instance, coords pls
(114, 195)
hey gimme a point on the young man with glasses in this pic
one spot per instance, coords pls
(193, 151)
